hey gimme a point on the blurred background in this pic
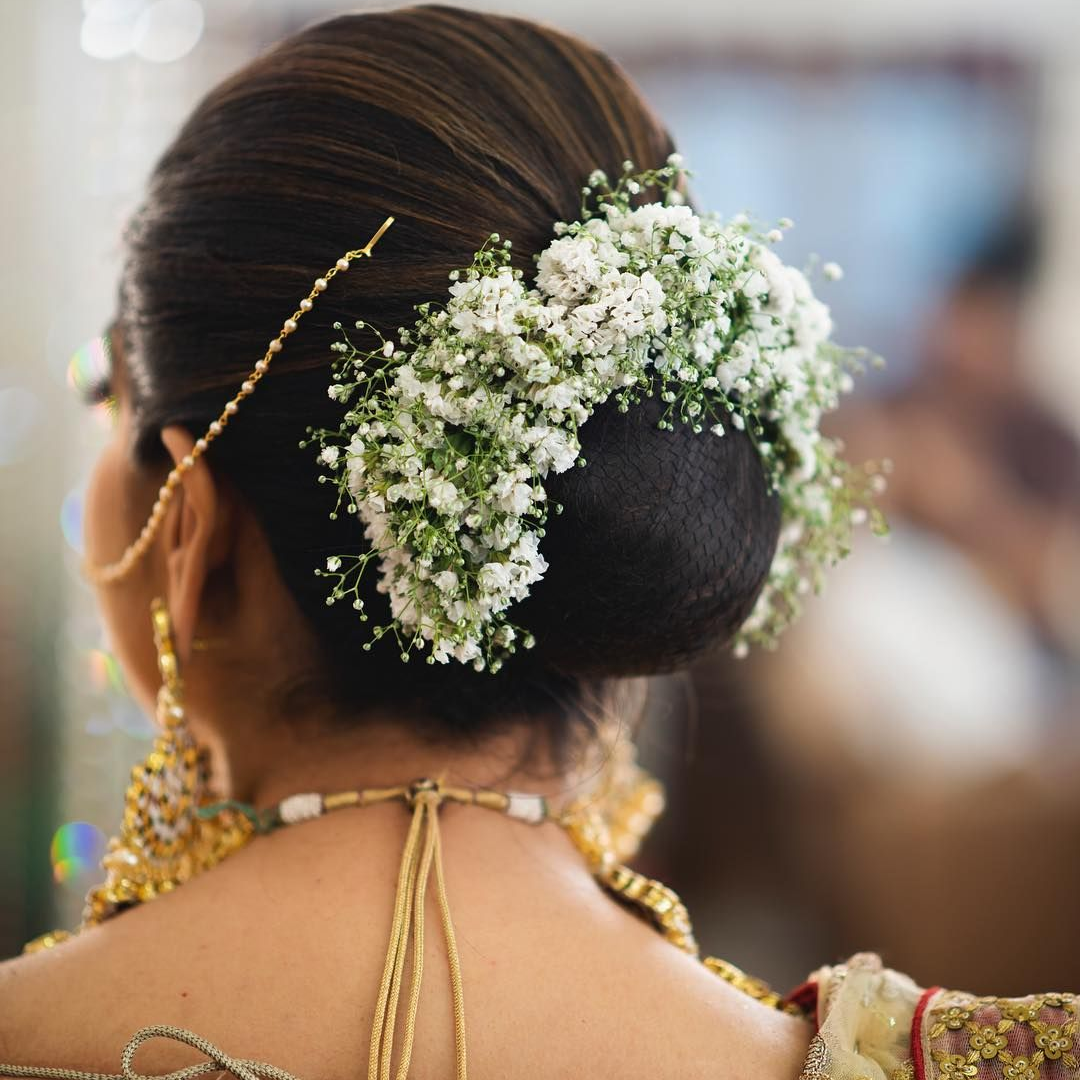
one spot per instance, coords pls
(904, 774)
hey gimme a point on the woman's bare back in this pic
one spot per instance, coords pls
(276, 956)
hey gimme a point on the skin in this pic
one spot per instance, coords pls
(276, 954)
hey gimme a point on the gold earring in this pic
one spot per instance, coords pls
(629, 798)
(163, 841)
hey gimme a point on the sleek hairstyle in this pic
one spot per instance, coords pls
(459, 124)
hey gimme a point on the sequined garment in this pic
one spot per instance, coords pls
(876, 1024)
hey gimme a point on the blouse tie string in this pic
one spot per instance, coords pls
(217, 1061)
(423, 850)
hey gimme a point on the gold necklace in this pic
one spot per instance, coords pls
(589, 827)
(422, 855)
(172, 829)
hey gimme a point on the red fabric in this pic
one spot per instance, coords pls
(916, 1033)
(805, 997)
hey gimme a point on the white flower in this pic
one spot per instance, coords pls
(449, 443)
(446, 581)
(496, 576)
(833, 271)
(442, 494)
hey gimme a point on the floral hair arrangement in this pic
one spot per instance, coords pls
(450, 431)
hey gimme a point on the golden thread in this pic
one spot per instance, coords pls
(114, 572)
(341, 799)
(423, 850)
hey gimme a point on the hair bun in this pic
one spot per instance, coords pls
(664, 544)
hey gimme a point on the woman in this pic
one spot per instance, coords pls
(427, 130)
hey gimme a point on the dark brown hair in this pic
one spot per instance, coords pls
(459, 124)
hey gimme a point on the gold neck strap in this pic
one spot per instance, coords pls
(423, 849)
(422, 853)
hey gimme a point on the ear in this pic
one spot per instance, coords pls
(195, 538)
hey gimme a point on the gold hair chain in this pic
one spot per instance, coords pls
(114, 572)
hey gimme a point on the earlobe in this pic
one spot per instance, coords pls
(191, 527)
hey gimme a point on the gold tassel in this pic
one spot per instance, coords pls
(423, 848)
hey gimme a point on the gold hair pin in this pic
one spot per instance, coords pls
(108, 575)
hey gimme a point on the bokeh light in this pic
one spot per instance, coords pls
(105, 673)
(87, 375)
(76, 852)
(71, 519)
(168, 30)
(103, 38)
(160, 31)
(89, 365)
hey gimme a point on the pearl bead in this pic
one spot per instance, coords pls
(305, 304)
(201, 445)
(215, 428)
(320, 284)
(275, 345)
(187, 461)
(247, 386)
(231, 408)
(290, 326)
(300, 808)
(163, 493)
(262, 367)
(342, 264)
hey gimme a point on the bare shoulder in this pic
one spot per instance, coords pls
(77, 1004)
(50, 1004)
(291, 980)
(719, 1032)
(204, 959)
(31, 987)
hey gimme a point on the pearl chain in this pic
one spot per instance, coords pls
(108, 575)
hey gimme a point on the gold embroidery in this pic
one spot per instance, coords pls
(1022, 1068)
(1022, 1011)
(954, 1066)
(1041, 1035)
(906, 1071)
(988, 1041)
(1055, 1042)
(818, 1061)
(953, 1018)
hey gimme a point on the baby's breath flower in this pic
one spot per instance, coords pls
(450, 434)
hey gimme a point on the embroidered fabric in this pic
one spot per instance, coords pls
(877, 1024)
